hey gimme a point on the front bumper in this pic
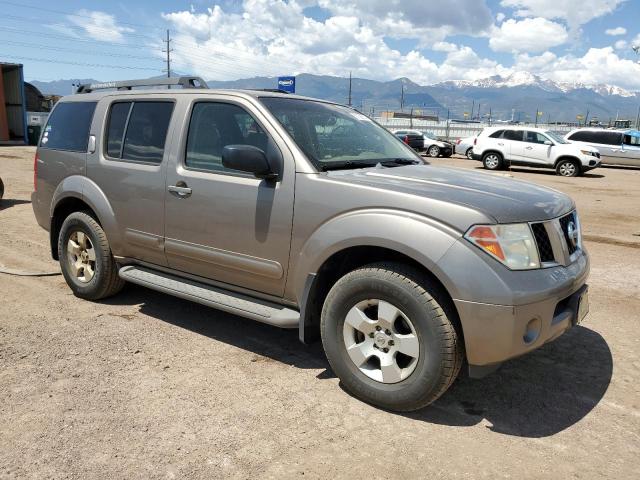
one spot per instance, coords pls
(505, 313)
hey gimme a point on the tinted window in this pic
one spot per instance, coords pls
(603, 137)
(534, 137)
(147, 132)
(497, 134)
(213, 126)
(115, 130)
(68, 127)
(513, 135)
(632, 140)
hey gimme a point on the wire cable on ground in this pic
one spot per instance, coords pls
(22, 273)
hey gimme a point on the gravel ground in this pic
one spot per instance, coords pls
(148, 386)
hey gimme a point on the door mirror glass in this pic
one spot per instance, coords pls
(247, 158)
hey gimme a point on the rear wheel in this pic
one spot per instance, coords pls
(568, 168)
(388, 339)
(469, 153)
(85, 258)
(433, 151)
(492, 161)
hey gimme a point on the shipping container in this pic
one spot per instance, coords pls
(13, 112)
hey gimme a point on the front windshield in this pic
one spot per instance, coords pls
(333, 136)
(555, 137)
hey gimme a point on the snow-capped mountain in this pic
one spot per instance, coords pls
(527, 79)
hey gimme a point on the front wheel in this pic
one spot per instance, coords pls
(492, 161)
(85, 258)
(433, 151)
(388, 339)
(568, 168)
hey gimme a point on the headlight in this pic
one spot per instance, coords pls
(512, 244)
(588, 152)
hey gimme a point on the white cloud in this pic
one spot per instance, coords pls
(500, 17)
(444, 47)
(574, 12)
(621, 45)
(274, 37)
(527, 35)
(99, 25)
(616, 31)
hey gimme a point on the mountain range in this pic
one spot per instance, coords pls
(517, 96)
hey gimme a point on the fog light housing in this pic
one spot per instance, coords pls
(532, 331)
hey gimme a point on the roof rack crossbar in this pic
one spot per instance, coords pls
(185, 82)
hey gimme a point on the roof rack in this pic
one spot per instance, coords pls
(185, 82)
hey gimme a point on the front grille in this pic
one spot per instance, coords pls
(542, 240)
(565, 222)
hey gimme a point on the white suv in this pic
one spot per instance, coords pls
(499, 147)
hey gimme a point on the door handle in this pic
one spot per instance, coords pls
(529, 148)
(501, 144)
(180, 189)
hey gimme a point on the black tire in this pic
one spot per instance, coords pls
(1, 189)
(433, 151)
(469, 153)
(493, 161)
(411, 291)
(568, 168)
(105, 281)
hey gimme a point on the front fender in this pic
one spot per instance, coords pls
(420, 238)
(82, 188)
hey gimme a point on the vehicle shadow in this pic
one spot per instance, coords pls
(11, 202)
(275, 343)
(534, 396)
(542, 171)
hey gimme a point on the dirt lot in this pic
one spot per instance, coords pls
(148, 386)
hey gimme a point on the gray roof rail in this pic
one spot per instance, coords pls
(184, 82)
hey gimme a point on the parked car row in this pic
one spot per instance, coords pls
(577, 152)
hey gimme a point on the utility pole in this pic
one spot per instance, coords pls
(638, 120)
(168, 52)
(478, 114)
(537, 117)
(402, 97)
(490, 115)
(349, 89)
(473, 107)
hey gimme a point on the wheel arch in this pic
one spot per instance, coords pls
(576, 160)
(333, 250)
(78, 193)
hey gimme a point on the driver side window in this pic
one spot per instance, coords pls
(213, 126)
(534, 137)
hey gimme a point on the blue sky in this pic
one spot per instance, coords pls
(585, 41)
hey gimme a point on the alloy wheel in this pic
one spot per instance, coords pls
(381, 341)
(81, 256)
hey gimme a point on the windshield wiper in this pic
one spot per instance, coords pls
(396, 162)
(347, 164)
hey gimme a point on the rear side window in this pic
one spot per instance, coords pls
(68, 127)
(632, 140)
(513, 135)
(137, 131)
(496, 134)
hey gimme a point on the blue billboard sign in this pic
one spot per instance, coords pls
(287, 84)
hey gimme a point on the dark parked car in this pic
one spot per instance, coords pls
(414, 140)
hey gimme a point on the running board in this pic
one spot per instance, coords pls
(237, 303)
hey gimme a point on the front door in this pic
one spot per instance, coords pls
(222, 224)
(534, 150)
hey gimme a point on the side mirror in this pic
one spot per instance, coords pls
(548, 142)
(248, 158)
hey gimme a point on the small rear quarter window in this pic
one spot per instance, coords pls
(68, 127)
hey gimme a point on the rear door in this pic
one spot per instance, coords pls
(510, 143)
(534, 149)
(129, 167)
(230, 226)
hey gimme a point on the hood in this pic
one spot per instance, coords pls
(502, 198)
(574, 146)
